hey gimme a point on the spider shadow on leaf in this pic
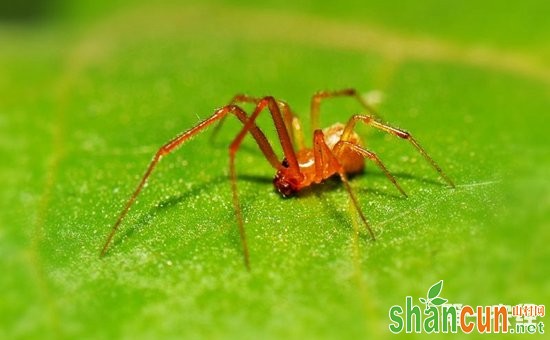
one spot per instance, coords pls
(343, 218)
(328, 185)
(146, 219)
(334, 183)
(399, 176)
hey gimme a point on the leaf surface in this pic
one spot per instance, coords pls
(88, 95)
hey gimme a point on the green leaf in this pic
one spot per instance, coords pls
(435, 290)
(422, 300)
(438, 301)
(89, 90)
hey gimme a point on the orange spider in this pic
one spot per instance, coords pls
(337, 150)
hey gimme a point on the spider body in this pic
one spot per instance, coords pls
(336, 150)
(288, 182)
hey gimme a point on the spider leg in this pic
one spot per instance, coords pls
(173, 144)
(326, 161)
(371, 121)
(237, 99)
(316, 103)
(293, 125)
(286, 145)
(284, 138)
(292, 122)
(372, 156)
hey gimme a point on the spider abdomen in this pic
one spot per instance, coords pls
(351, 161)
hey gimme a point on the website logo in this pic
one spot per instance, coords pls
(435, 315)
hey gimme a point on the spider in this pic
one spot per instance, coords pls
(337, 151)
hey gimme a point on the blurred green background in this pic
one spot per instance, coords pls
(90, 90)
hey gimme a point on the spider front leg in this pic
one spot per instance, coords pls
(292, 123)
(371, 121)
(173, 144)
(280, 126)
(237, 99)
(316, 103)
(326, 163)
(284, 138)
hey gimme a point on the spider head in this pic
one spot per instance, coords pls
(286, 186)
(285, 183)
